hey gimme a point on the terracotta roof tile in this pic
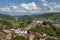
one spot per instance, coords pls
(7, 31)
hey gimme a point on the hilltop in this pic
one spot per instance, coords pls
(6, 17)
(53, 15)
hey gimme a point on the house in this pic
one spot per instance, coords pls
(6, 35)
(31, 36)
(9, 34)
(19, 31)
(33, 22)
(2, 35)
(44, 34)
(41, 36)
(39, 22)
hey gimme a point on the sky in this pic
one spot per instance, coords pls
(28, 7)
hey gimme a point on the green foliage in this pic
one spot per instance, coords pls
(6, 17)
(50, 39)
(35, 38)
(58, 32)
(19, 38)
(7, 21)
(51, 30)
(53, 15)
(23, 23)
(26, 17)
(4, 24)
(44, 23)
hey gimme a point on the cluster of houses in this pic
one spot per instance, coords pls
(40, 36)
(7, 34)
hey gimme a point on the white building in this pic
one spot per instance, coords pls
(19, 31)
(39, 21)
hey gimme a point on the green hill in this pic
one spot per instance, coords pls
(6, 17)
(53, 15)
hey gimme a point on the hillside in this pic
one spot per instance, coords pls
(53, 15)
(6, 17)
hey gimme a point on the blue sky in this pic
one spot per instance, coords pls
(23, 7)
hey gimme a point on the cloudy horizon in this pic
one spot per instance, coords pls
(28, 7)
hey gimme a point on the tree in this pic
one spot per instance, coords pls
(44, 23)
(19, 38)
(23, 24)
(35, 38)
(50, 39)
(5, 24)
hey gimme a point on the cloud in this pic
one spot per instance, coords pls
(29, 6)
(5, 9)
(43, 0)
(32, 7)
(50, 6)
(57, 6)
(24, 7)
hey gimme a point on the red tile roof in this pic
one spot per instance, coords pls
(7, 31)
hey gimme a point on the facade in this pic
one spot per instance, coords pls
(3, 36)
(39, 22)
(40, 36)
(31, 36)
(19, 31)
(6, 35)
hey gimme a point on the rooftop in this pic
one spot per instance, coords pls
(7, 31)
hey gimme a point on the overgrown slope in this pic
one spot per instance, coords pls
(55, 15)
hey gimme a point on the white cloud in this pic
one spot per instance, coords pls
(32, 7)
(14, 6)
(50, 6)
(45, 4)
(24, 7)
(29, 6)
(5, 9)
(43, 0)
(57, 6)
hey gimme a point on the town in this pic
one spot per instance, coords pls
(29, 19)
(9, 34)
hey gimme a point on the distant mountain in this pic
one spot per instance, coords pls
(6, 17)
(53, 15)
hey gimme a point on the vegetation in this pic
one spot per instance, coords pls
(53, 15)
(35, 38)
(6, 17)
(50, 39)
(51, 30)
(26, 17)
(19, 38)
(7, 22)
